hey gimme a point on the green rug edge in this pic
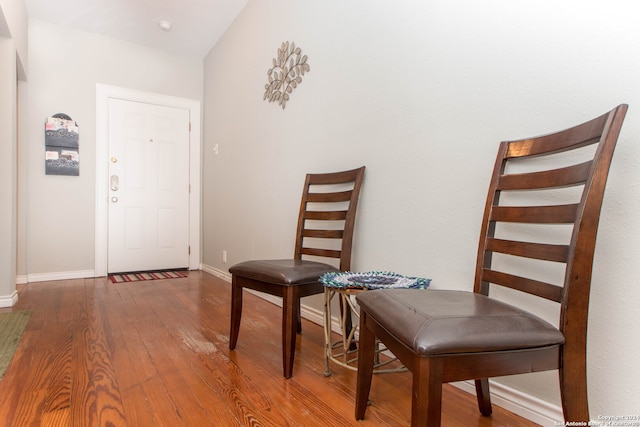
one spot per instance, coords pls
(12, 326)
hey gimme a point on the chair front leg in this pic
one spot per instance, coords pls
(236, 312)
(366, 355)
(426, 402)
(290, 312)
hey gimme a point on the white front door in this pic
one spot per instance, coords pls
(148, 207)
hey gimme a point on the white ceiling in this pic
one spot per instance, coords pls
(197, 24)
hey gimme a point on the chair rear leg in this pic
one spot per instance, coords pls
(236, 312)
(299, 317)
(366, 355)
(484, 397)
(573, 389)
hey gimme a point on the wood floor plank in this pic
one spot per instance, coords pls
(155, 353)
(94, 385)
(136, 407)
(171, 365)
(189, 344)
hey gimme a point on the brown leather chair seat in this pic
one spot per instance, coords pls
(437, 322)
(282, 271)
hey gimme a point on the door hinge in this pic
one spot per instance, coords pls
(189, 251)
(189, 126)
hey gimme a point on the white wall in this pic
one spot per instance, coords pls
(14, 15)
(421, 93)
(13, 51)
(65, 66)
(8, 174)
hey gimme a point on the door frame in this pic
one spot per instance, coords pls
(103, 94)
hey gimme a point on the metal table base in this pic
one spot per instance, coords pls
(344, 352)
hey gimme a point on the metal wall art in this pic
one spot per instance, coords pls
(286, 74)
(61, 146)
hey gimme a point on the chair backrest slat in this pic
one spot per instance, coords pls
(543, 207)
(336, 196)
(327, 253)
(562, 214)
(572, 175)
(578, 136)
(323, 234)
(327, 215)
(530, 286)
(542, 251)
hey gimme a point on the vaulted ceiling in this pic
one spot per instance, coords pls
(196, 25)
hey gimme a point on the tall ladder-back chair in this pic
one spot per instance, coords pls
(446, 335)
(325, 229)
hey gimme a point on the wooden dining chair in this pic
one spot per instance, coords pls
(325, 230)
(532, 240)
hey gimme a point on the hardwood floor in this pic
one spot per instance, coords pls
(156, 354)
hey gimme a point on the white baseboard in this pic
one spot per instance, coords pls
(527, 406)
(224, 275)
(9, 300)
(21, 280)
(62, 275)
(522, 404)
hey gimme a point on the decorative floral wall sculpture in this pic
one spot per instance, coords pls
(286, 74)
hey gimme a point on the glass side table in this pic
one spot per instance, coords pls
(346, 285)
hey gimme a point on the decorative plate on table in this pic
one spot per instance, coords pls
(372, 280)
